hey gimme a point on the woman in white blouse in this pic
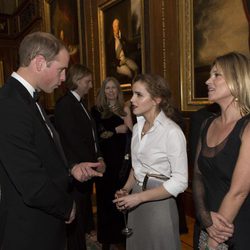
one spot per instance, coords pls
(159, 148)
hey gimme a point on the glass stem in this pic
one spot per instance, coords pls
(125, 218)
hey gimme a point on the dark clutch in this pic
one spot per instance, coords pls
(203, 242)
(153, 180)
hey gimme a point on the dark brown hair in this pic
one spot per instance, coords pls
(158, 87)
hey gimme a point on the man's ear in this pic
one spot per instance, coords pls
(40, 62)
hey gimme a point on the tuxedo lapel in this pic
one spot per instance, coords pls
(81, 106)
(26, 97)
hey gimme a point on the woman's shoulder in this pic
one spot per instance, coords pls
(168, 123)
(244, 125)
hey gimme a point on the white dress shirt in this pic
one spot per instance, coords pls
(162, 150)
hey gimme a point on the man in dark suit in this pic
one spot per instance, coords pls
(34, 175)
(78, 136)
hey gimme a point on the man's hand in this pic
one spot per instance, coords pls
(102, 167)
(85, 171)
(72, 214)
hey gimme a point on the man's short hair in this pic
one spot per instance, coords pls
(39, 43)
(74, 74)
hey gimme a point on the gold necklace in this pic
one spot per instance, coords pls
(144, 130)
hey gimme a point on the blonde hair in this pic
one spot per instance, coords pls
(236, 70)
(102, 102)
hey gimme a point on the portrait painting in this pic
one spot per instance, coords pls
(220, 27)
(121, 39)
(64, 25)
(62, 20)
(209, 28)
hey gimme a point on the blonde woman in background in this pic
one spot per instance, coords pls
(113, 120)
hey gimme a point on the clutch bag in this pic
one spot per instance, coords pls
(203, 242)
(153, 180)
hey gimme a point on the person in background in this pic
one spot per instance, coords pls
(77, 132)
(113, 121)
(159, 168)
(34, 175)
(196, 120)
(221, 176)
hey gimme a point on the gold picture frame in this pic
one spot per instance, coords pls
(130, 16)
(1, 74)
(188, 101)
(205, 31)
(70, 30)
(73, 40)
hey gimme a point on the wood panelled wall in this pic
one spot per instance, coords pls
(161, 47)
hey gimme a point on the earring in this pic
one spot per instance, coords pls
(236, 99)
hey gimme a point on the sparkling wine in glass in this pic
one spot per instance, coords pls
(126, 230)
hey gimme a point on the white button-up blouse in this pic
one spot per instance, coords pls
(162, 150)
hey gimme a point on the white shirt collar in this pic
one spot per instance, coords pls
(161, 117)
(76, 95)
(27, 85)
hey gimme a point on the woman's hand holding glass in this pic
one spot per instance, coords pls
(119, 194)
(121, 207)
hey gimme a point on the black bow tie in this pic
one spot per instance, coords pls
(36, 95)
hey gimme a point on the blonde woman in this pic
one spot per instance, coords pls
(221, 178)
(113, 120)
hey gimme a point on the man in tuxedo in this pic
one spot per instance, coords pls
(77, 131)
(34, 176)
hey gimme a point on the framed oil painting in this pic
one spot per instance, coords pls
(208, 28)
(121, 40)
(63, 19)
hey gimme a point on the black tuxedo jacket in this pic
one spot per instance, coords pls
(75, 130)
(33, 177)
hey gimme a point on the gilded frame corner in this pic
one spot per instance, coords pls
(1, 74)
(188, 100)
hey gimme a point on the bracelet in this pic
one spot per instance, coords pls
(209, 248)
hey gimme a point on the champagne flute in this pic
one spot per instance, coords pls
(126, 230)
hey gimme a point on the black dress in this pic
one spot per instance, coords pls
(212, 181)
(109, 220)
